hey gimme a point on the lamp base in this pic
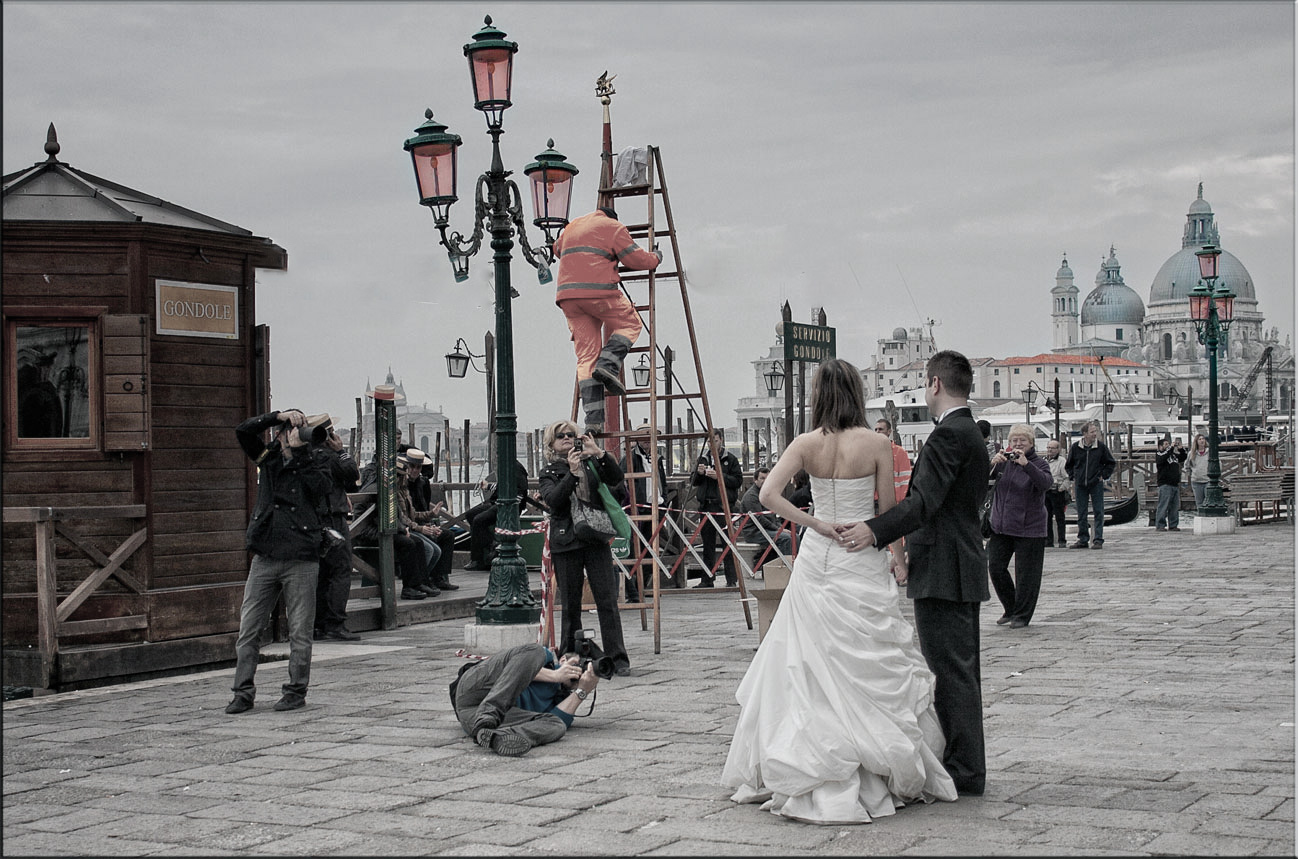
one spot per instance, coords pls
(485, 639)
(1211, 526)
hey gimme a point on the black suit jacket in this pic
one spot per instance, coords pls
(940, 514)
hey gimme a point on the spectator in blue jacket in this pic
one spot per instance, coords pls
(1018, 525)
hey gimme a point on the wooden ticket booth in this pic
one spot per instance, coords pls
(130, 354)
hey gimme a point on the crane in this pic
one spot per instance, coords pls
(1247, 385)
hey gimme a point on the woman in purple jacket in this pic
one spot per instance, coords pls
(1018, 525)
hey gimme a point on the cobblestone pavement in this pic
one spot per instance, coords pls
(1148, 710)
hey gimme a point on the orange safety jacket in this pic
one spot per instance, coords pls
(900, 470)
(589, 250)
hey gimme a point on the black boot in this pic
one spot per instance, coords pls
(592, 403)
(608, 366)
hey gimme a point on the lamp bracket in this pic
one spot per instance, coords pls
(456, 243)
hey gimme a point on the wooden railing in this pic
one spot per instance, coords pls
(51, 614)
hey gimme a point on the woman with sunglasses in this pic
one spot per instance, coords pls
(565, 476)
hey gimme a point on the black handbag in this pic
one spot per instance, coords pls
(591, 524)
(986, 514)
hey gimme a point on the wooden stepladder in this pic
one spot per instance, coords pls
(661, 384)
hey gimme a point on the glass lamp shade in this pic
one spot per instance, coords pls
(1029, 395)
(1225, 305)
(640, 373)
(774, 381)
(1200, 303)
(434, 155)
(551, 179)
(457, 363)
(491, 67)
(459, 267)
(1208, 261)
(1170, 396)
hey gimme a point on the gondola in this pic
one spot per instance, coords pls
(1117, 511)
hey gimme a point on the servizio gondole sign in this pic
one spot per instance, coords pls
(808, 342)
(197, 309)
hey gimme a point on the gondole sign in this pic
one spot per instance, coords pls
(808, 342)
(197, 309)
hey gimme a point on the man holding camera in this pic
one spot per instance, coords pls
(521, 697)
(1168, 464)
(284, 537)
(708, 493)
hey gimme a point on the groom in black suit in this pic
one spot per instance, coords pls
(947, 576)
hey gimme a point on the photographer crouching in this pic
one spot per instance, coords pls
(284, 536)
(522, 697)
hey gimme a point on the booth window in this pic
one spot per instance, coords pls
(53, 377)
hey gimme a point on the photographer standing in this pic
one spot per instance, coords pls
(565, 478)
(520, 698)
(284, 537)
(705, 478)
(1168, 463)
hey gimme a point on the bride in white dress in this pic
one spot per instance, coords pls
(836, 721)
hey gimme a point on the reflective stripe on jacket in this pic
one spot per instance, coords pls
(589, 251)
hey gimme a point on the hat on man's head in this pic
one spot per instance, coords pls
(402, 461)
(416, 457)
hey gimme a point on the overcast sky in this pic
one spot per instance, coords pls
(890, 162)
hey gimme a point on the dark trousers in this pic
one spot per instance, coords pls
(486, 693)
(409, 560)
(1018, 595)
(482, 531)
(334, 585)
(1056, 508)
(597, 563)
(949, 640)
(1092, 499)
(442, 569)
(711, 529)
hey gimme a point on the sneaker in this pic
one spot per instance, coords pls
(342, 634)
(1079, 545)
(612, 384)
(1098, 544)
(1004, 619)
(240, 704)
(290, 702)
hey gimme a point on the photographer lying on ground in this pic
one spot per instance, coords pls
(520, 698)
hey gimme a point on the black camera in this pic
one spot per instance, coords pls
(315, 430)
(586, 648)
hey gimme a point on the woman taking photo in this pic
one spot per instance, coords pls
(565, 479)
(1018, 526)
(1197, 465)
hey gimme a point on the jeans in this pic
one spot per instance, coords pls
(432, 554)
(1169, 507)
(1200, 489)
(1093, 499)
(267, 578)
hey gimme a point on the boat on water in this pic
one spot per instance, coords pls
(1117, 511)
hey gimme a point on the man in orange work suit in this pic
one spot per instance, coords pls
(589, 250)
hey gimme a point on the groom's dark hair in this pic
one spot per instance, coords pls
(954, 371)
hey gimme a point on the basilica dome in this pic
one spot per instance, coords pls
(1180, 273)
(1112, 301)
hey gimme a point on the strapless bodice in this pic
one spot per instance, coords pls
(843, 500)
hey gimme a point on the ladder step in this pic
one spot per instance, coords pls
(630, 191)
(627, 274)
(632, 396)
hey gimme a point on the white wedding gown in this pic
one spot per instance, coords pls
(836, 721)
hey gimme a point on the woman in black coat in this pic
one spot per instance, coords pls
(572, 557)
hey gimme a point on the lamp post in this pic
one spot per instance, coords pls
(774, 378)
(1029, 397)
(498, 207)
(1212, 310)
(457, 365)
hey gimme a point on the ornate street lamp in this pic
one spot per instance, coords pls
(1212, 310)
(498, 208)
(1029, 397)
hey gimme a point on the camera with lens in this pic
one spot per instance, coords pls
(586, 648)
(315, 430)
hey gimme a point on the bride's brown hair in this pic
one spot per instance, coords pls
(837, 397)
